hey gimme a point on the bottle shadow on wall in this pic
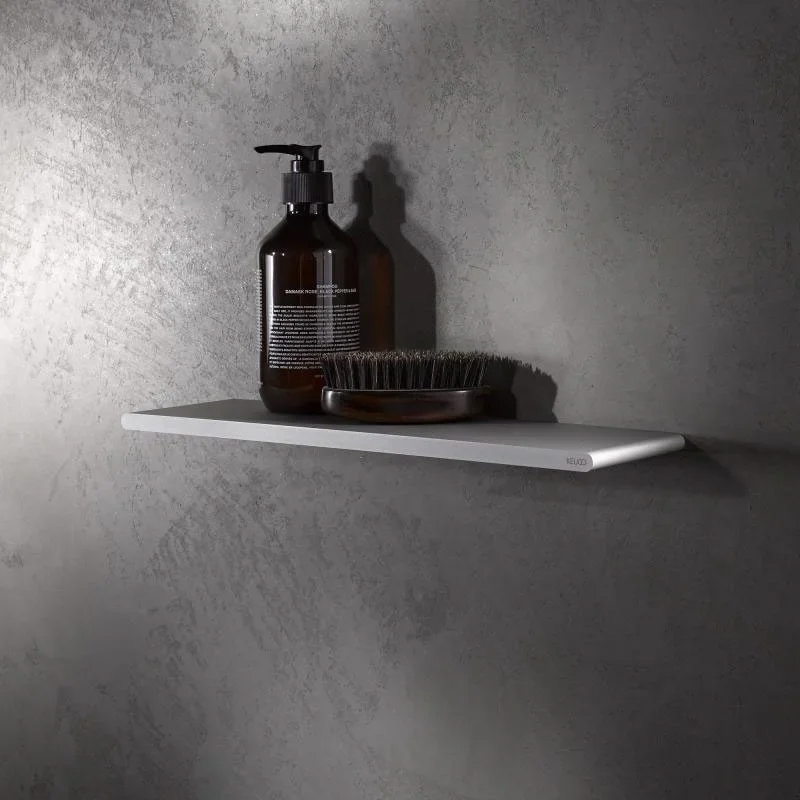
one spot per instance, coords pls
(389, 265)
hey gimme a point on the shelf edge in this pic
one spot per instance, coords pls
(361, 441)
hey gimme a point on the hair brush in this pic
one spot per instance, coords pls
(404, 386)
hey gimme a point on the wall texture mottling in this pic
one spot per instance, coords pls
(608, 190)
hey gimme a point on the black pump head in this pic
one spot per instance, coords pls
(307, 182)
(309, 152)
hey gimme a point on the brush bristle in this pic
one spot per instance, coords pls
(404, 369)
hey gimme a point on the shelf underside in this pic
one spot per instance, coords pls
(547, 445)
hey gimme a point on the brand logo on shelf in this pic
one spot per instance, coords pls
(575, 461)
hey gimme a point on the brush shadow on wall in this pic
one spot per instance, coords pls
(380, 193)
(520, 391)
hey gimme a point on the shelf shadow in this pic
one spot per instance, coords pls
(521, 392)
(691, 471)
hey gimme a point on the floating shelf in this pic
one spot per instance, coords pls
(548, 445)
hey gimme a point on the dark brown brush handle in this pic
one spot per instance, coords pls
(406, 405)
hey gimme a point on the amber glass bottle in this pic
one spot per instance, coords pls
(308, 287)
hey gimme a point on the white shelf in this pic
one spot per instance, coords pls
(549, 445)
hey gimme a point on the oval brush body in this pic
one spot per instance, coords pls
(404, 386)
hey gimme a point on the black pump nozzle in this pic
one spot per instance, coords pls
(307, 151)
(307, 182)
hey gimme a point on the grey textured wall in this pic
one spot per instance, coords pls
(610, 190)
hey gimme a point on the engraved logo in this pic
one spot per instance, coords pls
(577, 462)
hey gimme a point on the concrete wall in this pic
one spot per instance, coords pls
(608, 190)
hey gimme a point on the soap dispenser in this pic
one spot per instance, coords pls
(308, 287)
